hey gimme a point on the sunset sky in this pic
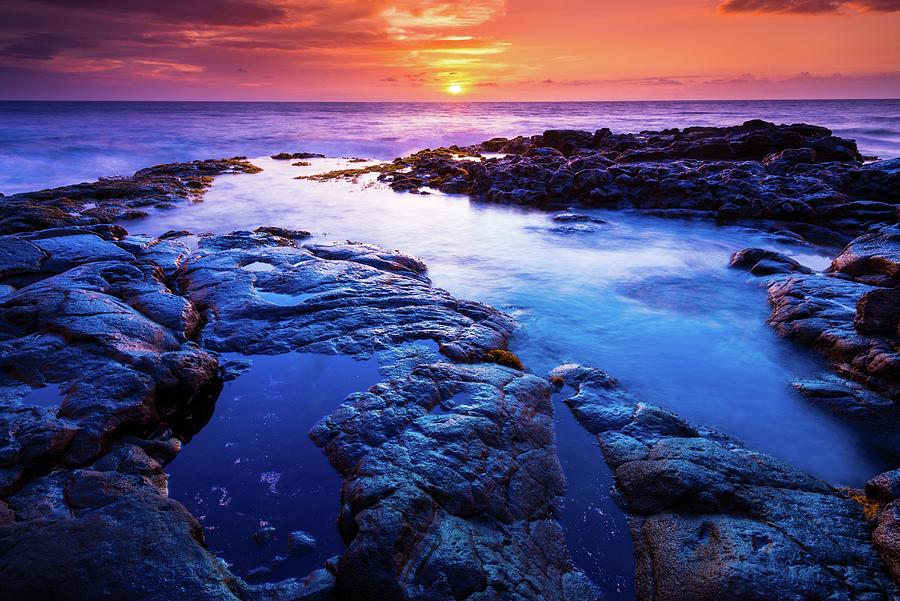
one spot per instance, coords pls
(417, 50)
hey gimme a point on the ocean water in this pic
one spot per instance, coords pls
(652, 301)
(45, 144)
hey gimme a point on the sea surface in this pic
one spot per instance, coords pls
(651, 301)
(44, 144)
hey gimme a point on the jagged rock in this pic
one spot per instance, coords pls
(301, 543)
(711, 519)
(872, 258)
(878, 312)
(796, 179)
(759, 261)
(883, 492)
(819, 311)
(114, 320)
(288, 156)
(102, 322)
(111, 199)
(349, 297)
(451, 483)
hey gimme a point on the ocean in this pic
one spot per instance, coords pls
(46, 144)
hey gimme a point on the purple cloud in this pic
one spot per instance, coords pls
(806, 6)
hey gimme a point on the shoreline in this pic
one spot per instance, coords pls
(174, 309)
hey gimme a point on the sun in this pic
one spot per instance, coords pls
(455, 88)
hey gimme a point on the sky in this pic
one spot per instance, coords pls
(433, 50)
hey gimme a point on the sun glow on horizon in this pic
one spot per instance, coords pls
(455, 88)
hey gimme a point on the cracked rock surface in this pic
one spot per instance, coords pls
(451, 485)
(126, 328)
(714, 520)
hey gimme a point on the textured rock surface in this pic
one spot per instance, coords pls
(820, 311)
(795, 179)
(759, 261)
(451, 484)
(713, 520)
(350, 298)
(117, 323)
(883, 493)
(115, 198)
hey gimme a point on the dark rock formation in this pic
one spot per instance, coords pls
(795, 179)
(117, 322)
(842, 314)
(289, 156)
(713, 520)
(116, 198)
(819, 311)
(759, 261)
(349, 298)
(883, 495)
(451, 484)
(873, 258)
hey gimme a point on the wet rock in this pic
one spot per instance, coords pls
(577, 218)
(103, 322)
(878, 312)
(288, 156)
(883, 492)
(820, 311)
(264, 535)
(886, 537)
(884, 487)
(795, 179)
(456, 504)
(711, 519)
(122, 515)
(300, 543)
(111, 199)
(873, 258)
(348, 297)
(761, 262)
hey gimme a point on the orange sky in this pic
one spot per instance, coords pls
(414, 50)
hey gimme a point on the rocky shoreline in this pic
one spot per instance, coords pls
(451, 483)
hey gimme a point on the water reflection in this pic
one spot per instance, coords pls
(252, 476)
(649, 300)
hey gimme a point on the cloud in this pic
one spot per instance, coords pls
(215, 12)
(806, 6)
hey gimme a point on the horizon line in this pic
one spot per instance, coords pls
(460, 101)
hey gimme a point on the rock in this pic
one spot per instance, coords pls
(711, 519)
(878, 312)
(884, 487)
(886, 537)
(122, 324)
(289, 156)
(766, 262)
(123, 516)
(795, 179)
(264, 535)
(300, 543)
(336, 298)
(820, 311)
(114, 198)
(883, 492)
(450, 504)
(567, 141)
(872, 258)
(577, 218)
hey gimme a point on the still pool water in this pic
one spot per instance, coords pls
(651, 301)
(253, 465)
